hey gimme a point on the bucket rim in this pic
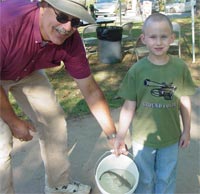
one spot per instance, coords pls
(111, 153)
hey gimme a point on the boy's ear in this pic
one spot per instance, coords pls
(142, 38)
(173, 37)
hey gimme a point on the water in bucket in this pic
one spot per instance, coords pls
(117, 181)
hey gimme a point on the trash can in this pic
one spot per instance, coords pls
(109, 44)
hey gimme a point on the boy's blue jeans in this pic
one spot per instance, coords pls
(157, 168)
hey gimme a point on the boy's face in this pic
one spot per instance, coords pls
(158, 37)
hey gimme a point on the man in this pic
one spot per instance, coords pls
(35, 36)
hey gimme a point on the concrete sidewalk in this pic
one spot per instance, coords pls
(87, 143)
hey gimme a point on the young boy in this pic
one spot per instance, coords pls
(156, 90)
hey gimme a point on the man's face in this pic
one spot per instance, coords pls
(52, 29)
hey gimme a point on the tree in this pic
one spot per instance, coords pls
(197, 7)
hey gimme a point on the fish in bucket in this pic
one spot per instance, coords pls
(116, 174)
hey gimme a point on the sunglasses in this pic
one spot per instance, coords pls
(63, 18)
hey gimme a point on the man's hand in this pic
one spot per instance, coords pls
(21, 130)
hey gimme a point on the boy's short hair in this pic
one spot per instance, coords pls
(157, 17)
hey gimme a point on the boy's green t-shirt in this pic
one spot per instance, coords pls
(157, 90)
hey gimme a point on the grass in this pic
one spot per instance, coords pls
(109, 76)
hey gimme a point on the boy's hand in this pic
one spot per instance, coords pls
(184, 140)
(120, 147)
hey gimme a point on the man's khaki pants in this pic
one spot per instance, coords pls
(35, 96)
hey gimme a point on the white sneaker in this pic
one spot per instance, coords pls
(72, 188)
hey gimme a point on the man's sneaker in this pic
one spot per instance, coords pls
(72, 188)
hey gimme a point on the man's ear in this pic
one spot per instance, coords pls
(43, 4)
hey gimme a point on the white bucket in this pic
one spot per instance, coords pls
(121, 162)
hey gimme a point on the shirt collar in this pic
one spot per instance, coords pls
(37, 34)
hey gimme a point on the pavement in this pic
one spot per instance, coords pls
(87, 143)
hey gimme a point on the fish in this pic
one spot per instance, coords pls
(121, 179)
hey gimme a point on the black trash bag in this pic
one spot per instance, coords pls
(109, 33)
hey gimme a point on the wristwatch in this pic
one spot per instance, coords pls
(111, 136)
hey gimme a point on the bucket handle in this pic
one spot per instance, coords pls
(129, 154)
(108, 153)
(100, 158)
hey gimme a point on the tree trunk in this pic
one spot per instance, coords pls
(197, 7)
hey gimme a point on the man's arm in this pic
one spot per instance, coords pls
(185, 110)
(126, 115)
(97, 103)
(19, 128)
